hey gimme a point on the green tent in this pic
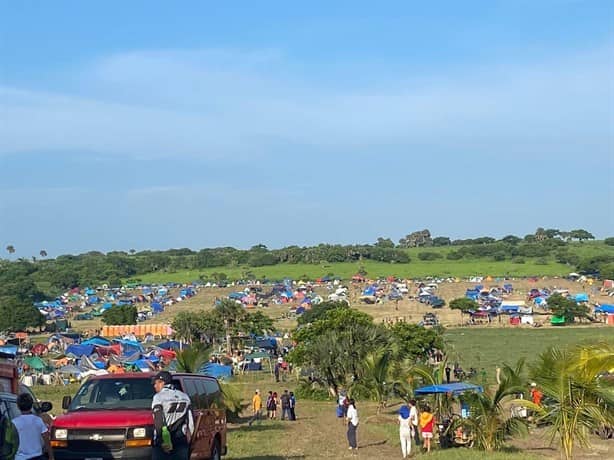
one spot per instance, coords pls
(35, 363)
(557, 320)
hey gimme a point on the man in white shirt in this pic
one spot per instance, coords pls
(33, 433)
(352, 419)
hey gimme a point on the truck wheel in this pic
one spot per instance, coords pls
(215, 450)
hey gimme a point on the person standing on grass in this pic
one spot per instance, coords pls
(33, 433)
(405, 430)
(256, 407)
(292, 406)
(426, 427)
(269, 405)
(285, 405)
(352, 421)
(274, 404)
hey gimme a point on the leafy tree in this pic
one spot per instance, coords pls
(10, 249)
(17, 315)
(567, 308)
(186, 327)
(511, 239)
(413, 342)
(577, 399)
(463, 304)
(231, 313)
(581, 235)
(119, 315)
(318, 312)
(43, 253)
(442, 241)
(606, 271)
(384, 243)
(256, 323)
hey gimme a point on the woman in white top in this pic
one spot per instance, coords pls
(405, 430)
(352, 419)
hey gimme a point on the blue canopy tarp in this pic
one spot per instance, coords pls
(219, 371)
(454, 388)
(605, 309)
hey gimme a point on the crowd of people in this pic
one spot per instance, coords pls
(286, 402)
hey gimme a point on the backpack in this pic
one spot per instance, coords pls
(9, 439)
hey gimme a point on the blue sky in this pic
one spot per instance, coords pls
(152, 125)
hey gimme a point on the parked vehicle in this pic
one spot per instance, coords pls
(110, 417)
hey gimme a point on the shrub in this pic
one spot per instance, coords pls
(454, 255)
(518, 260)
(429, 256)
(609, 241)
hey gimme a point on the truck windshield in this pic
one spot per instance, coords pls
(114, 394)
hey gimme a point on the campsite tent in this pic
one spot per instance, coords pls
(219, 371)
(34, 362)
(454, 388)
(557, 320)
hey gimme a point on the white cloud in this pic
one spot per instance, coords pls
(229, 104)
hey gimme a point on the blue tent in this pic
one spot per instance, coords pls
(171, 345)
(236, 295)
(9, 351)
(300, 310)
(90, 291)
(219, 371)
(157, 307)
(605, 309)
(97, 341)
(509, 308)
(79, 350)
(582, 297)
(369, 290)
(454, 388)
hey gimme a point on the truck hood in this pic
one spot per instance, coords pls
(104, 419)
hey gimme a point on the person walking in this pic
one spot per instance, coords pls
(256, 407)
(405, 430)
(285, 405)
(352, 421)
(426, 427)
(292, 406)
(33, 433)
(173, 420)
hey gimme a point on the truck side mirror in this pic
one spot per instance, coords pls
(66, 400)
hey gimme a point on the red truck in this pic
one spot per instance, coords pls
(110, 417)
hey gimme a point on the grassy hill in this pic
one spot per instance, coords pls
(415, 269)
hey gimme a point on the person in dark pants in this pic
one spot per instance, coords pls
(292, 406)
(352, 419)
(173, 420)
(285, 405)
(448, 371)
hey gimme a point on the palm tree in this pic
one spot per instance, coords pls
(231, 312)
(578, 399)
(193, 358)
(10, 249)
(43, 253)
(375, 377)
(488, 421)
(431, 375)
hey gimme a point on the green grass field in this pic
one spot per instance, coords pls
(345, 270)
(491, 347)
